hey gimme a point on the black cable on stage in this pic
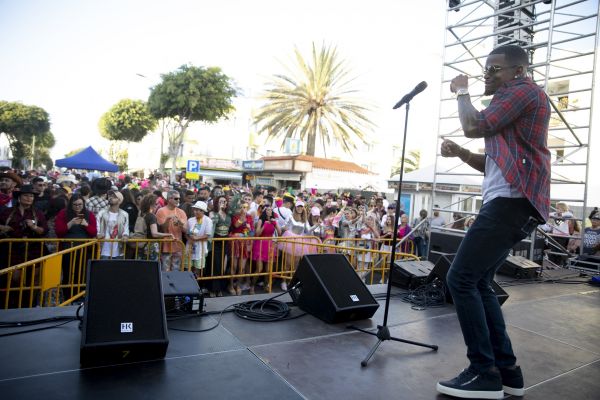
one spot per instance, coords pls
(17, 324)
(268, 310)
(429, 295)
(38, 329)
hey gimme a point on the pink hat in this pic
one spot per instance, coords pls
(315, 211)
(299, 203)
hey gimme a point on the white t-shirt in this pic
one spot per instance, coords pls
(111, 249)
(494, 185)
(438, 221)
(284, 215)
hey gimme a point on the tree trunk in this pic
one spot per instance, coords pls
(173, 168)
(175, 145)
(311, 140)
(162, 160)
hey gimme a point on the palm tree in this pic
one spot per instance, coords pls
(411, 163)
(314, 103)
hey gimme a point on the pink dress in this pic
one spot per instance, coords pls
(264, 250)
(297, 243)
(407, 245)
(241, 248)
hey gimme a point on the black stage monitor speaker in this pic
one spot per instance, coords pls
(182, 293)
(411, 274)
(331, 290)
(519, 267)
(447, 242)
(124, 317)
(440, 270)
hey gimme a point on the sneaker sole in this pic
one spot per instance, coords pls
(514, 391)
(470, 394)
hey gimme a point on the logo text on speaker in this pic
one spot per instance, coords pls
(126, 327)
(354, 297)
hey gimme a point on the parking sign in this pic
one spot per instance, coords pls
(193, 166)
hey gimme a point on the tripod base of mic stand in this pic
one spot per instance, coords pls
(383, 334)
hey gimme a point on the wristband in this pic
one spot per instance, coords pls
(462, 92)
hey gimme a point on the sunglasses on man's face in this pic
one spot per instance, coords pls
(493, 69)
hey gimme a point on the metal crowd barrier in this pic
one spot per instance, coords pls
(57, 278)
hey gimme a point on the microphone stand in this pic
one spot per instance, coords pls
(383, 332)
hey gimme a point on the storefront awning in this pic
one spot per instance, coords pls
(287, 177)
(221, 174)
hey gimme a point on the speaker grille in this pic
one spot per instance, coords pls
(341, 286)
(124, 292)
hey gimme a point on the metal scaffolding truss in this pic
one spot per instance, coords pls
(561, 38)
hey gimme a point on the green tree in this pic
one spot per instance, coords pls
(118, 154)
(411, 163)
(186, 95)
(128, 120)
(22, 123)
(315, 103)
(73, 152)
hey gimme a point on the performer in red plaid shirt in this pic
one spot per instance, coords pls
(516, 198)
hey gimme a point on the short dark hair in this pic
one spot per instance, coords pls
(37, 179)
(148, 201)
(514, 54)
(85, 190)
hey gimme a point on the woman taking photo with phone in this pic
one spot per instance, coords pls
(74, 222)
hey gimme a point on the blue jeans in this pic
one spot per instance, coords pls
(500, 224)
(421, 246)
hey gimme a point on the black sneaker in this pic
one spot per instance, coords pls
(512, 381)
(470, 384)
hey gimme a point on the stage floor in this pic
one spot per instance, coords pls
(554, 328)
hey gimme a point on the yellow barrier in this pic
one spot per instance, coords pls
(59, 278)
(33, 283)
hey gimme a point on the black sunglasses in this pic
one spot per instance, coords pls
(492, 69)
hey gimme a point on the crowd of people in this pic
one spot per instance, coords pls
(131, 213)
(122, 208)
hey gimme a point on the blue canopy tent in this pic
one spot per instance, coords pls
(87, 159)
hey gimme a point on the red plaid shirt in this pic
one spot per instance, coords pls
(515, 128)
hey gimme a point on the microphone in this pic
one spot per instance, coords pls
(409, 96)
